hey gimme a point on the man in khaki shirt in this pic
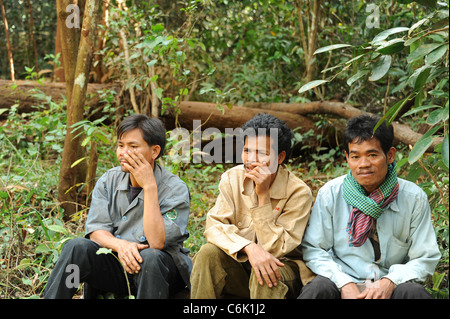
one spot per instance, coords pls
(257, 224)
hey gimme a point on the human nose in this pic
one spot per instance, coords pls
(252, 157)
(123, 150)
(364, 162)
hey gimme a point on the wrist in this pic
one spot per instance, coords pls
(151, 187)
(263, 199)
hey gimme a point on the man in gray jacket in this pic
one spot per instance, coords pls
(138, 210)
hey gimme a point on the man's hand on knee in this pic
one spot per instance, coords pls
(129, 255)
(264, 264)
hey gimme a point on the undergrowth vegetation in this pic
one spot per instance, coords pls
(32, 228)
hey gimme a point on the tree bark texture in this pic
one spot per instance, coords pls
(8, 42)
(70, 176)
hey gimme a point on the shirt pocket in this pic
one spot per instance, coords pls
(396, 252)
(246, 228)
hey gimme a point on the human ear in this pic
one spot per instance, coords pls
(391, 155)
(156, 149)
(281, 157)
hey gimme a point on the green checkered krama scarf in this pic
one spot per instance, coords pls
(367, 208)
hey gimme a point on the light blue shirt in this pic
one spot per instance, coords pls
(409, 251)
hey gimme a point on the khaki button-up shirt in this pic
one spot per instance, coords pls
(236, 220)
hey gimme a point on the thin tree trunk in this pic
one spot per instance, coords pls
(70, 177)
(33, 38)
(308, 35)
(69, 45)
(8, 43)
(58, 71)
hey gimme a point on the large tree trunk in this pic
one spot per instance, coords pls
(71, 177)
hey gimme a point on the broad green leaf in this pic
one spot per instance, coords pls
(386, 33)
(381, 67)
(439, 115)
(419, 109)
(419, 148)
(412, 41)
(445, 150)
(391, 47)
(357, 76)
(310, 85)
(42, 248)
(57, 229)
(25, 261)
(417, 24)
(421, 79)
(331, 47)
(392, 112)
(436, 54)
(422, 51)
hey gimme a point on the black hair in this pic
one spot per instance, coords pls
(266, 122)
(153, 131)
(360, 129)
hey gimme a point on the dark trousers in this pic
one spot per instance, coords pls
(323, 288)
(158, 277)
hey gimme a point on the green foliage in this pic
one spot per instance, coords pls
(31, 228)
(226, 52)
(414, 60)
(107, 251)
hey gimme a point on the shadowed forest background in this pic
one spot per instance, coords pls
(71, 70)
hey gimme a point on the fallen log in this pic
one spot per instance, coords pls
(221, 117)
(27, 94)
(294, 114)
(403, 133)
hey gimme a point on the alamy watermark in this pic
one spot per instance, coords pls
(73, 19)
(222, 147)
(73, 279)
(373, 19)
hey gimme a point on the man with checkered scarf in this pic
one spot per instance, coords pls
(370, 234)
